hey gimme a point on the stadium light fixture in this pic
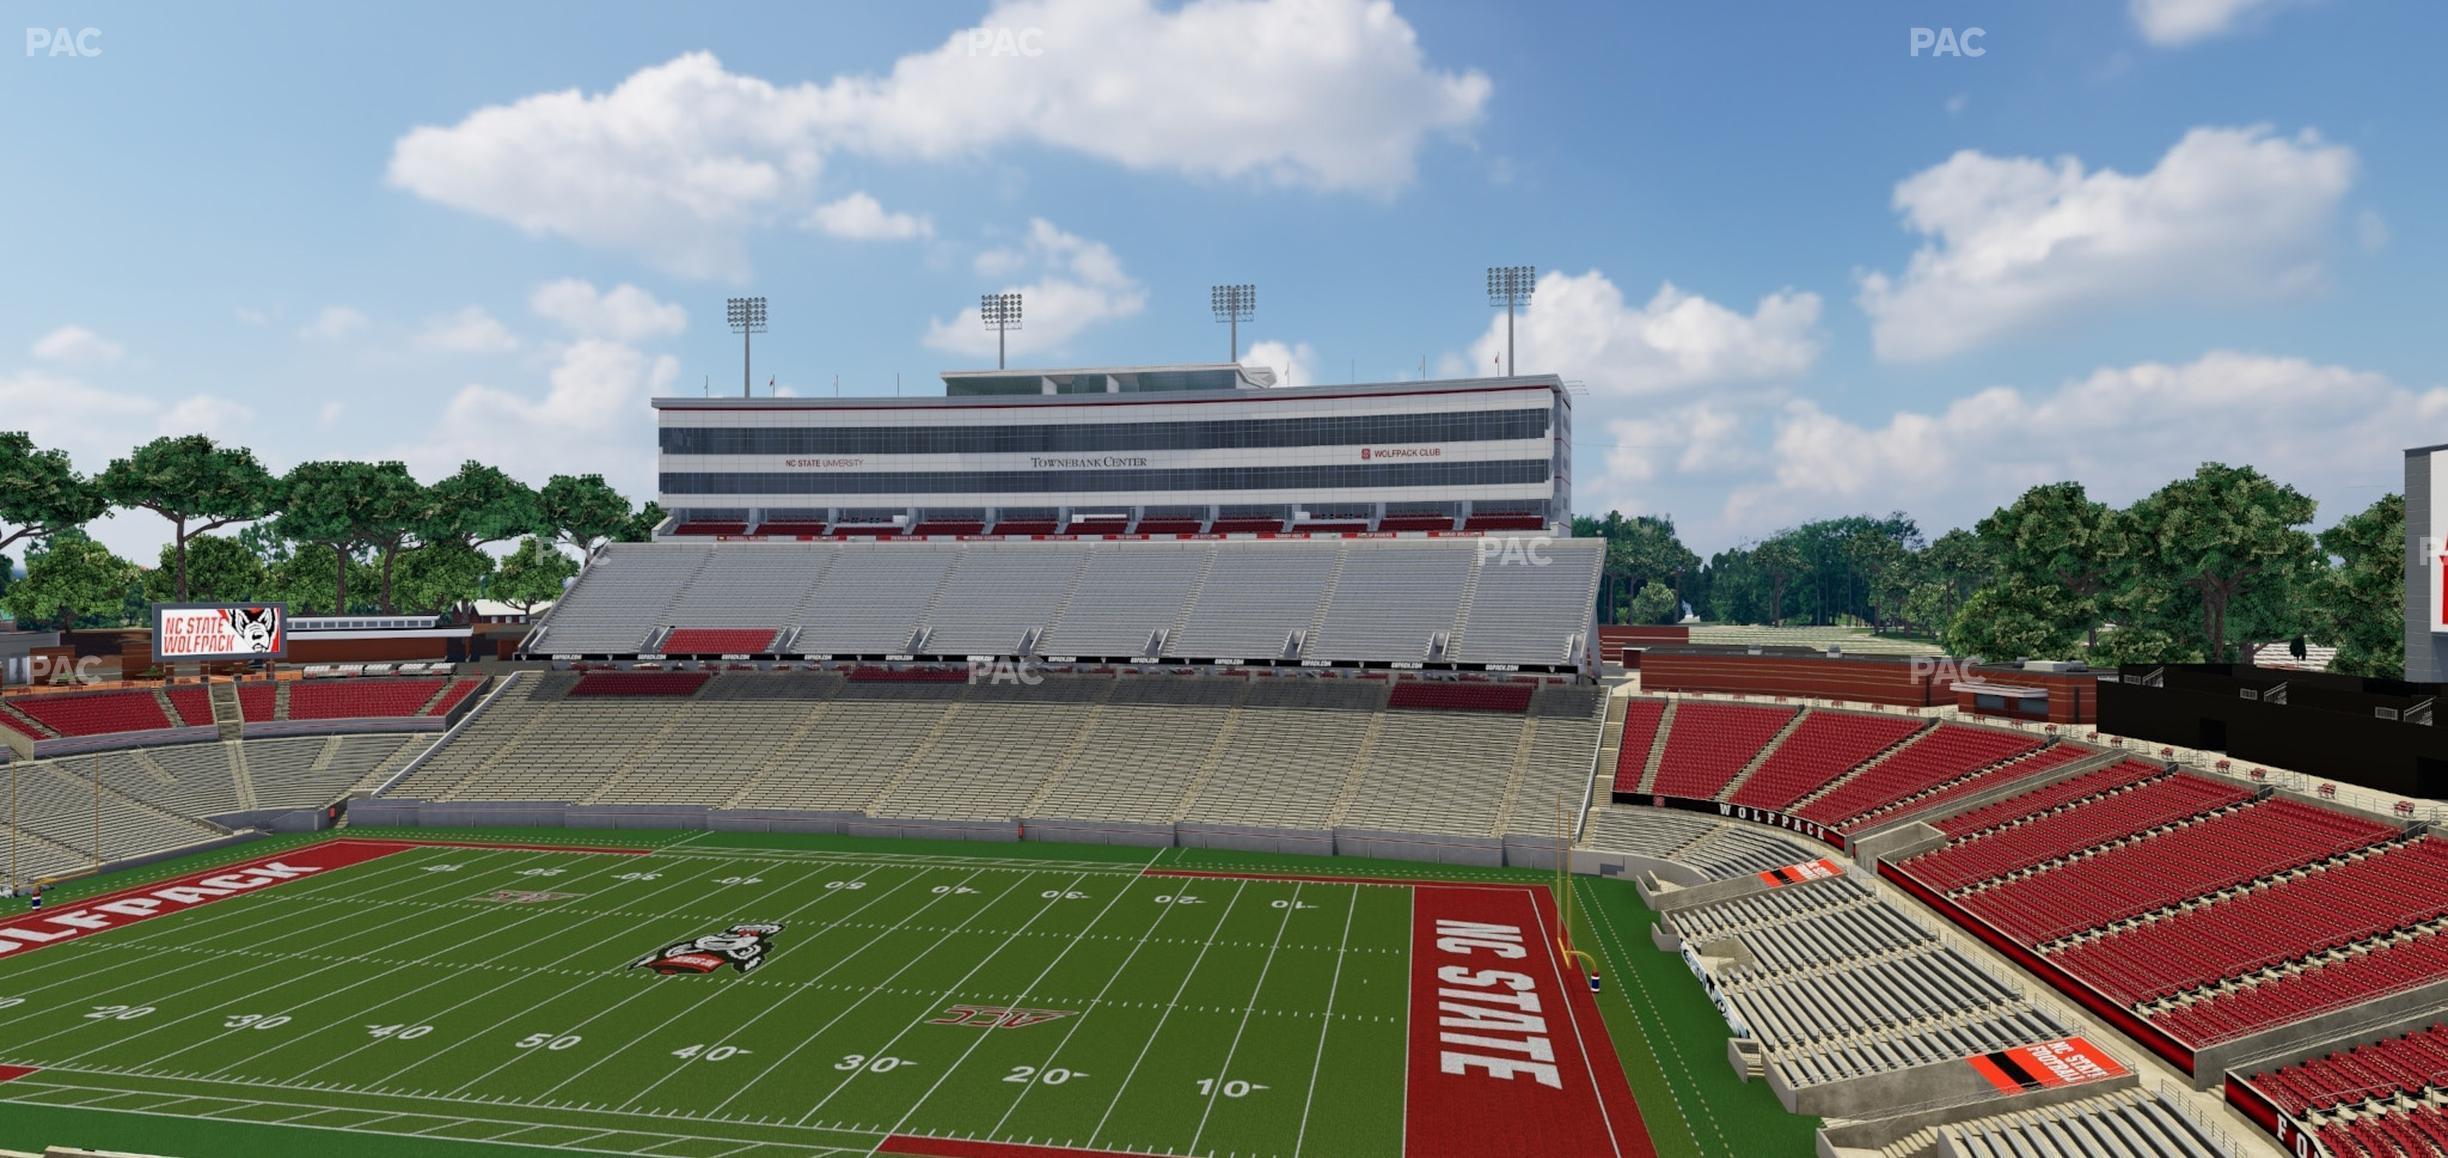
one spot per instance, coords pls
(747, 315)
(1510, 286)
(1234, 304)
(1001, 313)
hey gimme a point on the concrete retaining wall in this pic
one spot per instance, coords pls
(113, 741)
(1120, 832)
(1485, 851)
(1247, 838)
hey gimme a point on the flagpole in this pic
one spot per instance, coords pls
(97, 787)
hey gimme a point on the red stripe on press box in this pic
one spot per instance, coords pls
(65, 922)
(1509, 1058)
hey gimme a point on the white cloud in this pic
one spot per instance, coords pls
(585, 421)
(333, 324)
(96, 424)
(1294, 363)
(2016, 243)
(255, 315)
(2331, 431)
(2371, 231)
(1079, 283)
(2174, 23)
(1580, 327)
(681, 158)
(469, 331)
(623, 314)
(329, 414)
(78, 346)
(859, 217)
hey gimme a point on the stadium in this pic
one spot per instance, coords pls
(1162, 761)
(666, 582)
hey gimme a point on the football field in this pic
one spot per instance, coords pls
(695, 1000)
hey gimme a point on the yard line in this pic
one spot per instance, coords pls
(1326, 1025)
(828, 969)
(589, 947)
(1410, 938)
(1082, 1019)
(1246, 1011)
(913, 878)
(709, 995)
(872, 990)
(1572, 1013)
(172, 972)
(1238, 888)
(209, 918)
(1008, 939)
(670, 1136)
(1016, 998)
(395, 999)
(291, 979)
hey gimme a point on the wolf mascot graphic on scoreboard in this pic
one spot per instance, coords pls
(255, 627)
(743, 947)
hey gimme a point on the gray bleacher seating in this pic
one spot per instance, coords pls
(2125, 1124)
(1349, 600)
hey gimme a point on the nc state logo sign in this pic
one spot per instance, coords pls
(742, 947)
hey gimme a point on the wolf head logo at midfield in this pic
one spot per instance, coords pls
(743, 947)
(254, 627)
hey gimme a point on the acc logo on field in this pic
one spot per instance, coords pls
(743, 947)
(997, 1016)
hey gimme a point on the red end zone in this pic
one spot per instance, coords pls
(12, 1073)
(69, 920)
(1509, 1057)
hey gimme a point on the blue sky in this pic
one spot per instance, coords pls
(2126, 238)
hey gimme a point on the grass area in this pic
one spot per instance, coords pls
(390, 1008)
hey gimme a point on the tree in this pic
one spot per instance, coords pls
(1655, 604)
(195, 484)
(532, 574)
(438, 577)
(41, 495)
(2357, 604)
(2015, 618)
(583, 510)
(2056, 534)
(73, 582)
(1779, 561)
(480, 505)
(642, 524)
(332, 504)
(2234, 540)
(220, 569)
(389, 512)
(307, 578)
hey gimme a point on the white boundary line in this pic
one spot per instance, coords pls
(1024, 994)
(1326, 1025)
(1241, 886)
(1230, 1051)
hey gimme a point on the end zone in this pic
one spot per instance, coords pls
(1509, 1056)
(12, 1073)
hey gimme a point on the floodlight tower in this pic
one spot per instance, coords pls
(1234, 304)
(1509, 286)
(748, 317)
(1002, 315)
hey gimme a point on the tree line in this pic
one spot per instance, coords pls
(2215, 567)
(331, 536)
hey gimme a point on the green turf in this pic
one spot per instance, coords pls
(1297, 989)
